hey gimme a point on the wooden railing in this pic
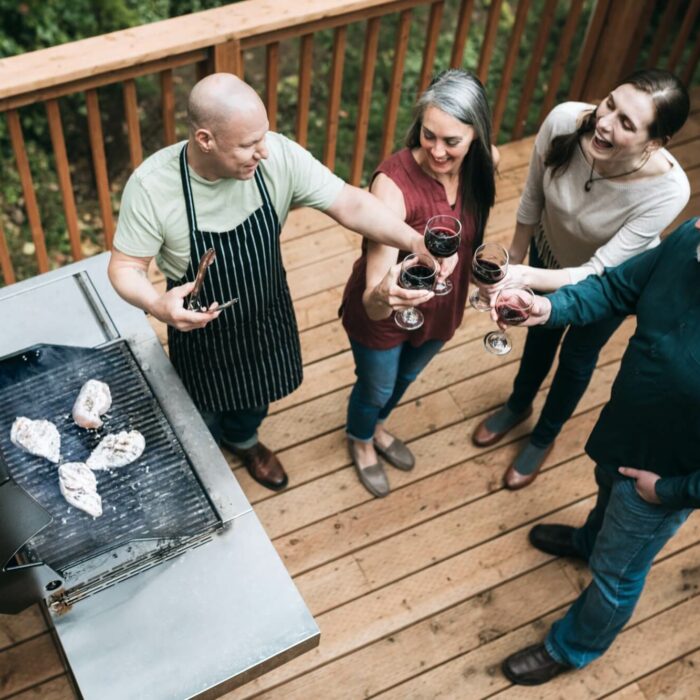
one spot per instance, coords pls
(596, 42)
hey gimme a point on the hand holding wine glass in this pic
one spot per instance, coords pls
(417, 272)
(539, 313)
(442, 238)
(390, 293)
(513, 307)
(489, 267)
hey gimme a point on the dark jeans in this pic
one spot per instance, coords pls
(238, 428)
(382, 379)
(620, 538)
(577, 360)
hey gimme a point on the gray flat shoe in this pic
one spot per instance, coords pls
(372, 477)
(397, 454)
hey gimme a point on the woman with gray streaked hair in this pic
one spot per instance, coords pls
(446, 168)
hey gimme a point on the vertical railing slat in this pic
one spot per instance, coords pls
(58, 141)
(99, 163)
(533, 69)
(689, 18)
(227, 57)
(8, 272)
(595, 27)
(692, 64)
(203, 69)
(368, 63)
(167, 106)
(392, 107)
(306, 51)
(489, 40)
(432, 35)
(638, 39)
(561, 57)
(30, 203)
(464, 21)
(662, 32)
(509, 66)
(272, 77)
(334, 93)
(133, 126)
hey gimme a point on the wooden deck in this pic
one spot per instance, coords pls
(423, 593)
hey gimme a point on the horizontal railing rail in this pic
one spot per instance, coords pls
(529, 57)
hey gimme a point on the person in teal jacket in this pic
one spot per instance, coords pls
(646, 445)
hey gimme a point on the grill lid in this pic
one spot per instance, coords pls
(157, 500)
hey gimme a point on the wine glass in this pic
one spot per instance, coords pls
(417, 272)
(442, 236)
(489, 266)
(513, 305)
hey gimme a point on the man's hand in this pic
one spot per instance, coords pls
(644, 481)
(389, 293)
(170, 308)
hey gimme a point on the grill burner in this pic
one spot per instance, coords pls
(158, 498)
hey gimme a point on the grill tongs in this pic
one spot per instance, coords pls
(194, 304)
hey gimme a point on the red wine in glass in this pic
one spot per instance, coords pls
(417, 277)
(417, 272)
(513, 306)
(512, 315)
(441, 242)
(489, 266)
(442, 237)
(487, 272)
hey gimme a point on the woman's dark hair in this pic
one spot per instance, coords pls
(671, 108)
(460, 94)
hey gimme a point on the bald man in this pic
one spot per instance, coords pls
(229, 187)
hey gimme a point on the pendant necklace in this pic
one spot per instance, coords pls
(589, 183)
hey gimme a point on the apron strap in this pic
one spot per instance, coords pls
(187, 191)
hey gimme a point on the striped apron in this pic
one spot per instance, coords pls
(249, 356)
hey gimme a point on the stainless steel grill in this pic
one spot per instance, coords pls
(157, 499)
(175, 591)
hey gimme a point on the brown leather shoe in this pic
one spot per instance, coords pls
(262, 465)
(483, 437)
(514, 480)
(532, 666)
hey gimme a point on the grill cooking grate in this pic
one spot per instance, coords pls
(157, 497)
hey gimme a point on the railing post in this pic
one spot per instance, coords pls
(623, 20)
(227, 58)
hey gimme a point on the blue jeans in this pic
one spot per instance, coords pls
(237, 428)
(620, 538)
(577, 360)
(382, 378)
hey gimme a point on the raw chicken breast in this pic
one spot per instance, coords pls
(79, 487)
(38, 437)
(93, 401)
(117, 450)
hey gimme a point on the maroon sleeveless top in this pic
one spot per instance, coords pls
(423, 197)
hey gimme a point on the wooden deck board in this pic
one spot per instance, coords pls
(422, 594)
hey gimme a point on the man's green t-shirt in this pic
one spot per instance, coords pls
(153, 217)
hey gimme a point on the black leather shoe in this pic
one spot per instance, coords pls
(555, 539)
(532, 666)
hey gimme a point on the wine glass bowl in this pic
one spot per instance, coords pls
(442, 237)
(489, 266)
(417, 272)
(513, 307)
